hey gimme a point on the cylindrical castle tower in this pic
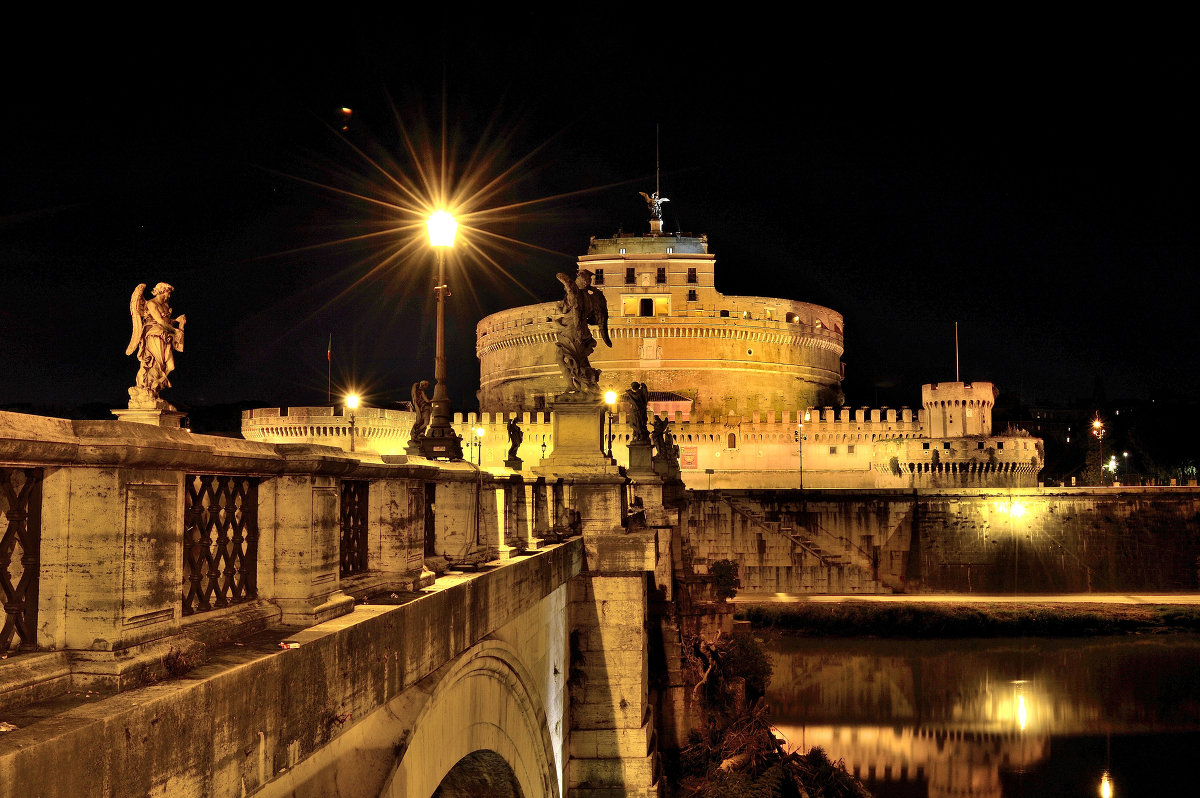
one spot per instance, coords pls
(672, 329)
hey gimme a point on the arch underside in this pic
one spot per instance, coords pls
(483, 704)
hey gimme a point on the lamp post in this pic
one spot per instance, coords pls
(440, 440)
(479, 431)
(352, 405)
(610, 399)
(1098, 431)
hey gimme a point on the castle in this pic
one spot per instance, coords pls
(749, 384)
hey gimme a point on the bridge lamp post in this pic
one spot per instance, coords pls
(440, 440)
(352, 405)
(610, 399)
(478, 443)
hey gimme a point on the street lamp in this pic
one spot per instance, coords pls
(479, 431)
(352, 405)
(610, 399)
(1098, 431)
(440, 440)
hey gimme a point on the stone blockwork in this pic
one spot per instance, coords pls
(1108, 539)
(251, 720)
(118, 530)
(671, 327)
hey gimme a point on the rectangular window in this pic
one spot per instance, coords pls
(946, 445)
(630, 276)
(850, 449)
(660, 276)
(691, 275)
(691, 295)
(833, 450)
(599, 277)
(999, 444)
(670, 250)
(979, 445)
(724, 314)
(925, 446)
(662, 306)
(622, 250)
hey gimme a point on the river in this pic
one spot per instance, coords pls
(991, 718)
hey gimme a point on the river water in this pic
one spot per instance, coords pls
(992, 718)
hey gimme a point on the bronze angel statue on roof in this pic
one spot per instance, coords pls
(654, 203)
(582, 305)
(156, 338)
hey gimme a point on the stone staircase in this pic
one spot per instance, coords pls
(830, 551)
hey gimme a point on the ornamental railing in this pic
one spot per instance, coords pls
(353, 546)
(220, 541)
(21, 495)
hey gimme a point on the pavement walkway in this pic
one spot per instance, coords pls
(975, 598)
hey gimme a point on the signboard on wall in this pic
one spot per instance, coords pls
(688, 457)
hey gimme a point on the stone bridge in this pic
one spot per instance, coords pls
(198, 616)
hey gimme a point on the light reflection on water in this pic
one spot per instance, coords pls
(992, 718)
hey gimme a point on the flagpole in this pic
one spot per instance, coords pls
(329, 372)
(956, 377)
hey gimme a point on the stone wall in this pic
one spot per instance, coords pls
(1061, 540)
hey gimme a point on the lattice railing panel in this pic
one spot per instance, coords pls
(220, 541)
(21, 501)
(353, 547)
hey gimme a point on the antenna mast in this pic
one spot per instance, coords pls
(956, 377)
(657, 169)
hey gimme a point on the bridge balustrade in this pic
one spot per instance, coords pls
(21, 493)
(352, 545)
(220, 541)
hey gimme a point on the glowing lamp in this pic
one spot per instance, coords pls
(1106, 786)
(442, 228)
(352, 401)
(610, 397)
(479, 431)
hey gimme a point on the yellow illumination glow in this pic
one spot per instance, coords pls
(1018, 509)
(1097, 424)
(1022, 717)
(352, 401)
(442, 228)
(479, 431)
(1106, 786)
(610, 397)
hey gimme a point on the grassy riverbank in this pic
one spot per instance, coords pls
(927, 620)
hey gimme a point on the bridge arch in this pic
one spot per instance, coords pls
(486, 705)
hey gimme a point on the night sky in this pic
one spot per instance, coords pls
(1036, 188)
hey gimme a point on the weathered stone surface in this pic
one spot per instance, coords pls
(231, 726)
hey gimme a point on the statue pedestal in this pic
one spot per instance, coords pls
(639, 458)
(514, 463)
(171, 419)
(577, 431)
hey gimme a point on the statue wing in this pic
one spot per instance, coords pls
(647, 198)
(137, 307)
(597, 313)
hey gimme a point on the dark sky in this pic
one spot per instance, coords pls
(1036, 188)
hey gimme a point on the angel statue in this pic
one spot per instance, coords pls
(582, 305)
(156, 338)
(424, 410)
(638, 397)
(515, 436)
(654, 203)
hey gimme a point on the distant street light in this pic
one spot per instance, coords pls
(610, 399)
(479, 432)
(440, 440)
(352, 405)
(1098, 432)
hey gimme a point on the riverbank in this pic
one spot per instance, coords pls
(968, 618)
